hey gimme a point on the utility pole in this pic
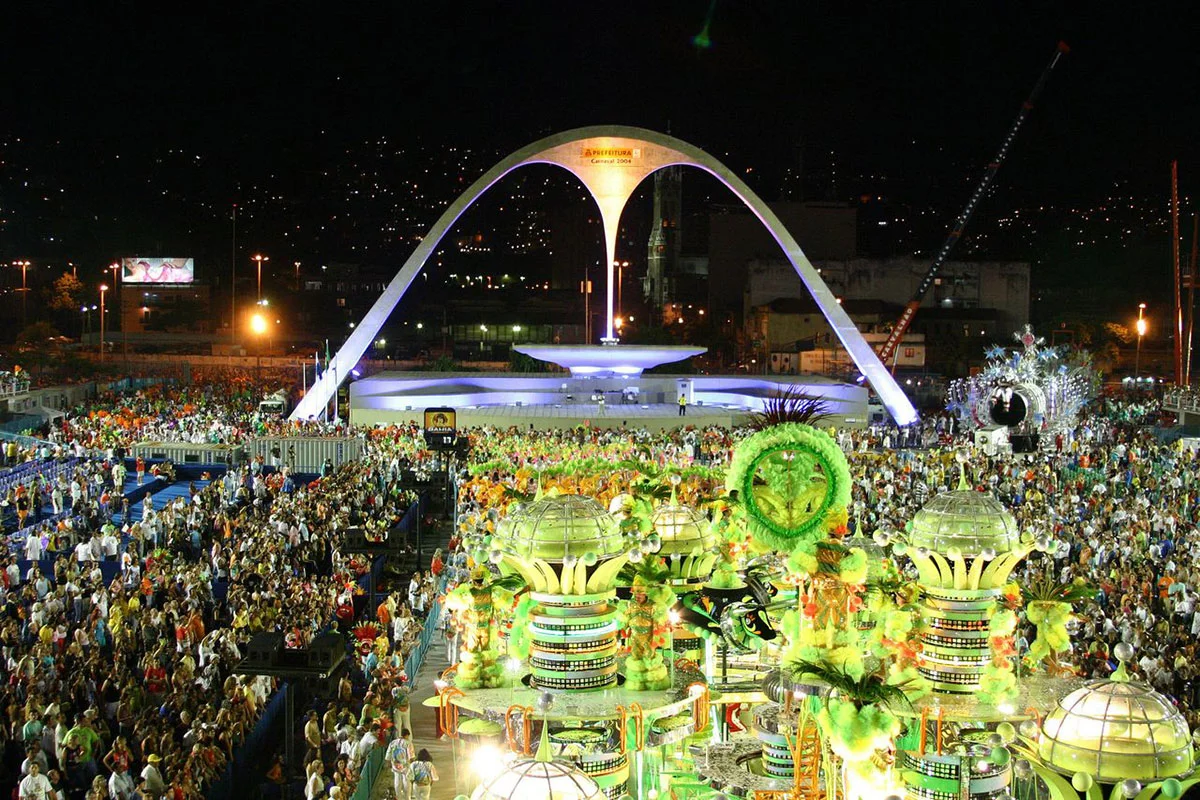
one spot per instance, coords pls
(103, 289)
(233, 284)
(1191, 300)
(1179, 379)
(587, 306)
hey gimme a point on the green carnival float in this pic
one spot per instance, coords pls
(755, 641)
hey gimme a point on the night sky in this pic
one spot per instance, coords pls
(917, 93)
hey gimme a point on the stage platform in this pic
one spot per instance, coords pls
(557, 400)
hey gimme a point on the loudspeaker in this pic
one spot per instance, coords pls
(292, 659)
(326, 651)
(264, 648)
(355, 541)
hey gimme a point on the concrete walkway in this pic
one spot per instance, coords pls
(424, 722)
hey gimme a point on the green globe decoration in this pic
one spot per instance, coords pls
(568, 549)
(557, 527)
(685, 541)
(974, 522)
(682, 529)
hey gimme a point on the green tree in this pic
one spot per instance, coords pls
(38, 334)
(519, 362)
(443, 364)
(1119, 332)
(37, 351)
(66, 292)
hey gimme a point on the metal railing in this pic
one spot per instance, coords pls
(370, 773)
(1181, 400)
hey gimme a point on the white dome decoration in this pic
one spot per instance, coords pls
(531, 779)
(1114, 730)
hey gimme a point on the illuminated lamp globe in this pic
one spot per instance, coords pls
(1115, 730)
(682, 529)
(530, 779)
(553, 528)
(964, 519)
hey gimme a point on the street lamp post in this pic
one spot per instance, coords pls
(103, 289)
(1141, 331)
(24, 265)
(120, 297)
(297, 265)
(258, 325)
(620, 265)
(259, 259)
(87, 320)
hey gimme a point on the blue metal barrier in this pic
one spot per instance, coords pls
(370, 773)
(416, 658)
(250, 752)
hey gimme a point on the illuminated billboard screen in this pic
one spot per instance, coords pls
(157, 270)
(440, 420)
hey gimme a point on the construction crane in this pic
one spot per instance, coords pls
(960, 224)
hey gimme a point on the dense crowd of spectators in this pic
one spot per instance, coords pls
(124, 687)
(108, 685)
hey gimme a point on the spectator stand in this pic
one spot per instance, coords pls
(132, 491)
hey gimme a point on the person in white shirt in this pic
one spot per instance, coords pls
(33, 547)
(414, 589)
(315, 786)
(110, 545)
(35, 785)
(363, 749)
(400, 754)
(35, 758)
(120, 784)
(152, 779)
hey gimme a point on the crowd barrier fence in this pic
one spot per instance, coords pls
(412, 665)
(250, 751)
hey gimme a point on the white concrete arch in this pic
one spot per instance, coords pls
(610, 160)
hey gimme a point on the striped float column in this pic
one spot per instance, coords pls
(963, 772)
(574, 641)
(954, 641)
(777, 758)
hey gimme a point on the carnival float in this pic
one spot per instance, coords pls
(1031, 391)
(625, 642)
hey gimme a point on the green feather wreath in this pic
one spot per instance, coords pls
(784, 502)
